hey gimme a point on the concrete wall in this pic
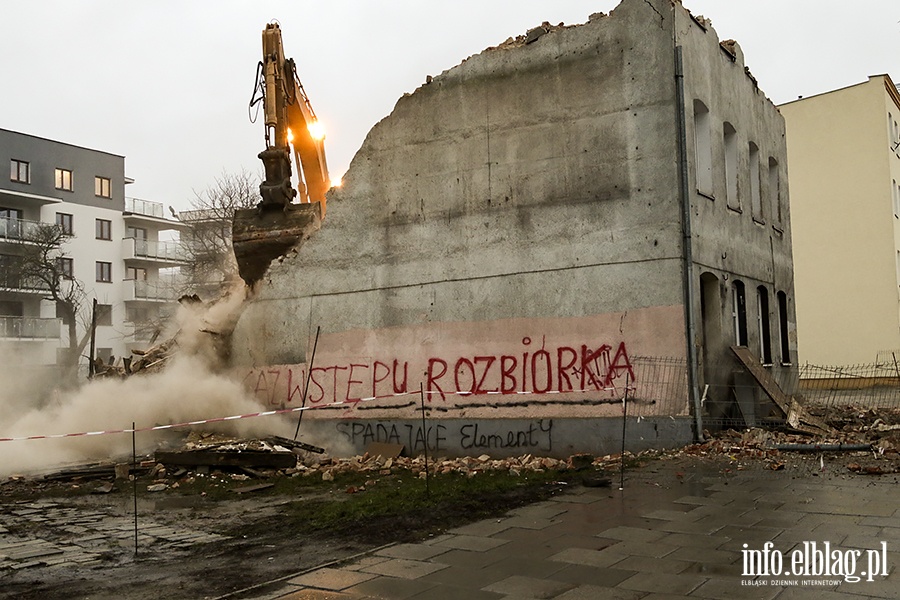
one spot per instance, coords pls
(511, 231)
(736, 237)
(844, 177)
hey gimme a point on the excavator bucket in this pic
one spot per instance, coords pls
(260, 235)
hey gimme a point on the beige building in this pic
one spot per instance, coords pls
(844, 172)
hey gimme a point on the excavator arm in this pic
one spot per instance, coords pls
(291, 131)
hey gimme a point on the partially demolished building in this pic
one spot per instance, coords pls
(575, 215)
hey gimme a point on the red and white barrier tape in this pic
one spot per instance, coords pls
(275, 412)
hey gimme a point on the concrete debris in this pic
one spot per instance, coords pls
(148, 361)
(704, 22)
(533, 35)
(729, 46)
(860, 431)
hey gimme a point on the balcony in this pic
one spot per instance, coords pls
(148, 213)
(18, 230)
(139, 290)
(29, 328)
(150, 253)
(147, 208)
(11, 281)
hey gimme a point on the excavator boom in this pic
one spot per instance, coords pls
(261, 234)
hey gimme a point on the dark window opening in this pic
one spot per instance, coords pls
(783, 328)
(739, 313)
(765, 336)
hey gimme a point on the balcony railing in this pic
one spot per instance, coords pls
(138, 289)
(166, 251)
(13, 281)
(29, 328)
(206, 214)
(18, 229)
(144, 207)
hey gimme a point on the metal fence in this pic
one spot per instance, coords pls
(875, 385)
(659, 382)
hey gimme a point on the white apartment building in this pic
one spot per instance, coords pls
(844, 156)
(114, 248)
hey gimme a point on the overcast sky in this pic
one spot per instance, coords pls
(167, 83)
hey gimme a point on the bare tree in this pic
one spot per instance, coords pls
(208, 243)
(42, 264)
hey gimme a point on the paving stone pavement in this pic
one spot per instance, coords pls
(49, 534)
(681, 539)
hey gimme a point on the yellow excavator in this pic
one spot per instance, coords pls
(261, 234)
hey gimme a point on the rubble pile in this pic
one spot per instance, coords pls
(147, 361)
(469, 466)
(864, 432)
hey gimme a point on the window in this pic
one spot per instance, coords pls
(762, 319)
(65, 222)
(102, 187)
(739, 313)
(896, 137)
(104, 229)
(10, 223)
(104, 314)
(895, 193)
(783, 328)
(66, 267)
(137, 314)
(104, 272)
(897, 267)
(11, 308)
(64, 179)
(702, 149)
(775, 189)
(893, 135)
(138, 233)
(105, 356)
(755, 198)
(731, 167)
(135, 274)
(13, 214)
(19, 171)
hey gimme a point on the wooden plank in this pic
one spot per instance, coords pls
(764, 378)
(797, 416)
(252, 488)
(288, 443)
(272, 460)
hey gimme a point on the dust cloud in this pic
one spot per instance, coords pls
(193, 386)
